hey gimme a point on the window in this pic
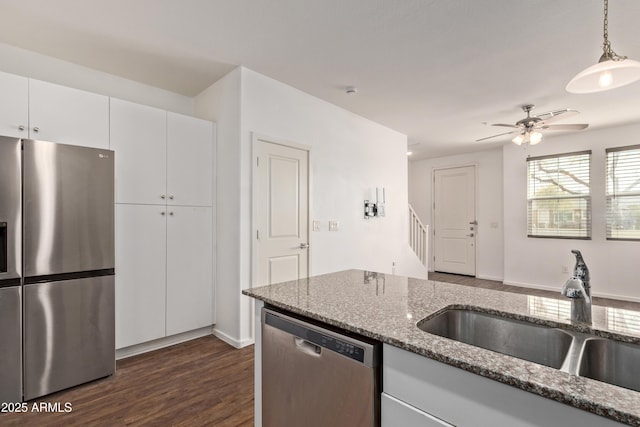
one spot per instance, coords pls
(623, 193)
(559, 196)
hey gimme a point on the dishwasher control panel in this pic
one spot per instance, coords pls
(317, 336)
(342, 347)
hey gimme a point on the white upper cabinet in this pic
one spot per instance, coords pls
(14, 105)
(161, 158)
(190, 160)
(138, 136)
(68, 116)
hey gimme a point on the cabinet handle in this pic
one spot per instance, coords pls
(170, 197)
(36, 129)
(21, 128)
(171, 213)
(162, 197)
(163, 213)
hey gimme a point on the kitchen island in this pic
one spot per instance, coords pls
(387, 308)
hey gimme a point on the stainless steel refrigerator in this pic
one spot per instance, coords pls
(57, 320)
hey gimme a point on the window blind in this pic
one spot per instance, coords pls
(559, 196)
(623, 193)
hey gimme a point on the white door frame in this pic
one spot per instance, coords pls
(432, 237)
(255, 140)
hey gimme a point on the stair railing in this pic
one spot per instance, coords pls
(418, 236)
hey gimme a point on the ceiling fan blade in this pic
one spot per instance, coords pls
(576, 126)
(506, 125)
(556, 115)
(495, 136)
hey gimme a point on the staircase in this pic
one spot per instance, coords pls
(418, 236)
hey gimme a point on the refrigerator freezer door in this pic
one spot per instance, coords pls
(68, 209)
(10, 212)
(69, 334)
(10, 345)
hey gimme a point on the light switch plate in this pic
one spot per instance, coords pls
(334, 225)
(316, 225)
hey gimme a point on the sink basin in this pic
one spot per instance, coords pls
(613, 362)
(528, 341)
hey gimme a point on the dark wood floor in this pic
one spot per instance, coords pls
(204, 382)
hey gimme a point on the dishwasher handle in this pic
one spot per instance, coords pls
(307, 347)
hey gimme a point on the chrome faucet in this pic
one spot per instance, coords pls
(579, 290)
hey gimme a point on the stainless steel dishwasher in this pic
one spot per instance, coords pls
(314, 376)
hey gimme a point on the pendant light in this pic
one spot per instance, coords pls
(611, 71)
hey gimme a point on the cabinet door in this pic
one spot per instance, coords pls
(189, 160)
(189, 268)
(140, 273)
(394, 412)
(138, 136)
(14, 105)
(68, 116)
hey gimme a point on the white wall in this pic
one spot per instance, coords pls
(350, 156)
(221, 103)
(489, 242)
(41, 67)
(538, 262)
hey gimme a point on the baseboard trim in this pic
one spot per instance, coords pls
(232, 341)
(148, 346)
(495, 279)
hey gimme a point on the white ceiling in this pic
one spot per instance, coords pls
(436, 70)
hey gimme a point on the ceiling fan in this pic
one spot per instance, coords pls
(529, 129)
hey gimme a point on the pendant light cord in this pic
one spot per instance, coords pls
(608, 54)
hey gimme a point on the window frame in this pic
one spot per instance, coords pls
(608, 196)
(587, 197)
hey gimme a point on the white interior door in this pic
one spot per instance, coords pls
(455, 220)
(282, 204)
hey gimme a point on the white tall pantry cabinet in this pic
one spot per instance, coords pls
(164, 198)
(164, 222)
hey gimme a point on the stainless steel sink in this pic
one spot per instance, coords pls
(612, 362)
(528, 341)
(577, 353)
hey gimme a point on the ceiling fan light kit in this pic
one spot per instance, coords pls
(611, 71)
(528, 130)
(528, 137)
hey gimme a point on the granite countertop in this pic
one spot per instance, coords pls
(387, 308)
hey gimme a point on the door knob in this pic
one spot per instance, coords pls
(21, 128)
(304, 246)
(470, 235)
(36, 129)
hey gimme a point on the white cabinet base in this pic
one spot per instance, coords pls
(145, 347)
(140, 274)
(189, 271)
(466, 399)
